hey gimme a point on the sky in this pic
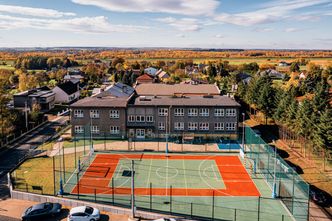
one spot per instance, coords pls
(247, 24)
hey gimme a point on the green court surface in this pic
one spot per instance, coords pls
(193, 174)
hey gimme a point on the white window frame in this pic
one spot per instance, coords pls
(230, 112)
(219, 112)
(131, 118)
(161, 125)
(179, 112)
(94, 114)
(204, 112)
(114, 114)
(204, 126)
(231, 126)
(79, 129)
(114, 130)
(178, 125)
(149, 118)
(162, 112)
(140, 118)
(218, 126)
(78, 113)
(192, 126)
(192, 112)
(95, 129)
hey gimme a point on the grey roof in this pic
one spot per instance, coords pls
(185, 101)
(117, 90)
(171, 89)
(97, 101)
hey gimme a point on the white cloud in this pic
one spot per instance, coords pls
(292, 29)
(180, 35)
(263, 29)
(183, 7)
(182, 24)
(36, 12)
(270, 12)
(92, 25)
(219, 36)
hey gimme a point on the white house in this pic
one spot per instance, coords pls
(66, 92)
(151, 71)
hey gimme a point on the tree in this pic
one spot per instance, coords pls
(266, 99)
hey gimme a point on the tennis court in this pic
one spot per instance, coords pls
(209, 186)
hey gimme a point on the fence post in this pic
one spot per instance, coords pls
(54, 191)
(150, 196)
(78, 185)
(191, 210)
(75, 151)
(95, 192)
(105, 141)
(170, 200)
(282, 217)
(234, 214)
(63, 161)
(213, 205)
(293, 193)
(259, 208)
(113, 191)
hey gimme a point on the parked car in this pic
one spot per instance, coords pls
(42, 210)
(84, 213)
(165, 219)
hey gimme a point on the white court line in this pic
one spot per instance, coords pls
(185, 179)
(214, 172)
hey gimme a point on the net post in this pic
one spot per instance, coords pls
(191, 210)
(150, 196)
(113, 191)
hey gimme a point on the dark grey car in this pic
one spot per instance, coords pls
(40, 211)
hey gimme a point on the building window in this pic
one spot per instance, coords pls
(79, 129)
(178, 126)
(192, 126)
(178, 112)
(131, 118)
(218, 112)
(149, 118)
(192, 112)
(218, 126)
(204, 126)
(140, 118)
(114, 114)
(94, 129)
(231, 112)
(204, 112)
(161, 126)
(230, 126)
(163, 112)
(115, 130)
(94, 113)
(78, 114)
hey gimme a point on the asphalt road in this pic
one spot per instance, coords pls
(9, 158)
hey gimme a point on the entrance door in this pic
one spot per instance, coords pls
(140, 133)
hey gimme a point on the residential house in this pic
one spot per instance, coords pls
(42, 96)
(117, 90)
(67, 92)
(272, 73)
(163, 75)
(283, 64)
(151, 71)
(144, 79)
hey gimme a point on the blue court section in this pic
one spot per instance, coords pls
(228, 145)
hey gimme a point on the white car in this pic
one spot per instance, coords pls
(84, 213)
